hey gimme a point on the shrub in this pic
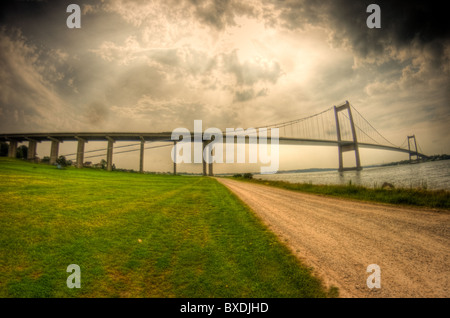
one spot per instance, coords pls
(61, 161)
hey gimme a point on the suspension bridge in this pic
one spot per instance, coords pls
(341, 126)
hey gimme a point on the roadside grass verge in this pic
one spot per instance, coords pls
(401, 196)
(137, 235)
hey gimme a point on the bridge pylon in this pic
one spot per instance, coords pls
(344, 146)
(412, 153)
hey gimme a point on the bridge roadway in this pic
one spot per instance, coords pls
(83, 137)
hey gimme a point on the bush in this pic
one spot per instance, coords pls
(245, 175)
(61, 161)
(22, 152)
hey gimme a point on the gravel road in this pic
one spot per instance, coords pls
(340, 238)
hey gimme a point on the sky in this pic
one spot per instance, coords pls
(150, 66)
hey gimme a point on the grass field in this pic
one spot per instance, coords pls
(136, 235)
(401, 196)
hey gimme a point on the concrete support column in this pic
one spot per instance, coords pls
(80, 152)
(12, 150)
(109, 154)
(141, 157)
(54, 151)
(175, 158)
(204, 145)
(210, 168)
(210, 164)
(31, 150)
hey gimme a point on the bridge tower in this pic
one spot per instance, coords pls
(344, 146)
(412, 153)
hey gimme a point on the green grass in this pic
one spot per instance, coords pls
(137, 235)
(401, 196)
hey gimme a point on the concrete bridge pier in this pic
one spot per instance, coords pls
(80, 152)
(12, 150)
(210, 164)
(207, 149)
(175, 158)
(204, 168)
(109, 154)
(210, 169)
(204, 145)
(54, 150)
(32, 145)
(141, 155)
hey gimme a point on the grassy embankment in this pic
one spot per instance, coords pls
(401, 196)
(136, 236)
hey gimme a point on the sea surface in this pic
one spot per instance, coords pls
(432, 175)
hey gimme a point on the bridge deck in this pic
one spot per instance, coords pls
(88, 136)
(166, 136)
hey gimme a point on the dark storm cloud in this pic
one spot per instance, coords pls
(35, 17)
(11, 10)
(403, 23)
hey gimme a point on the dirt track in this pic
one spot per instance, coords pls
(340, 238)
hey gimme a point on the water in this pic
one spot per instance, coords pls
(432, 175)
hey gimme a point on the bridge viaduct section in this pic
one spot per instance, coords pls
(83, 138)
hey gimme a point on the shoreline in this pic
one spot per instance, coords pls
(419, 197)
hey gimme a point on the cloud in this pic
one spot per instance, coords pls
(96, 113)
(249, 94)
(251, 72)
(403, 23)
(220, 14)
(28, 90)
(153, 114)
(183, 70)
(215, 14)
(244, 95)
